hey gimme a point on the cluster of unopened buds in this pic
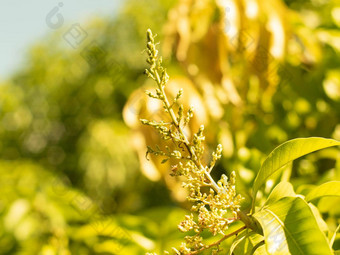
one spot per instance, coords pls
(215, 204)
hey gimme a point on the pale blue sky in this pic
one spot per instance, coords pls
(24, 22)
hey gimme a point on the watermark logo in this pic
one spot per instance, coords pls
(75, 35)
(54, 19)
(94, 54)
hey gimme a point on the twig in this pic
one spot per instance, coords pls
(219, 241)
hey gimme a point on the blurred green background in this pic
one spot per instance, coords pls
(73, 173)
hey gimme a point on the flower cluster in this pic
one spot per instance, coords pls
(213, 202)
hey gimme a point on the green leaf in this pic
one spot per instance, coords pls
(318, 217)
(283, 189)
(260, 249)
(286, 153)
(327, 189)
(331, 241)
(239, 239)
(247, 243)
(289, 227)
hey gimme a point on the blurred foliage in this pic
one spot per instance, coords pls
(259, 73)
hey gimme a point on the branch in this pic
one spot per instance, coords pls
(219, 241)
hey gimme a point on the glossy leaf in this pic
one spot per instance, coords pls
(331, 241)
(318, 217)
(261, 250)
(327, 189)
(247, 243)
(286, 153)
(289, 227)
(238, 240)
(283, 189)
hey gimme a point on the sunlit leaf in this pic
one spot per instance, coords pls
(330, 205)
(283, 189)
(327, 189)
(260, 249)
(238, 240)
(247, 242)
(289, 227)
(318, 217)
(287, 152)
(331, 241)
